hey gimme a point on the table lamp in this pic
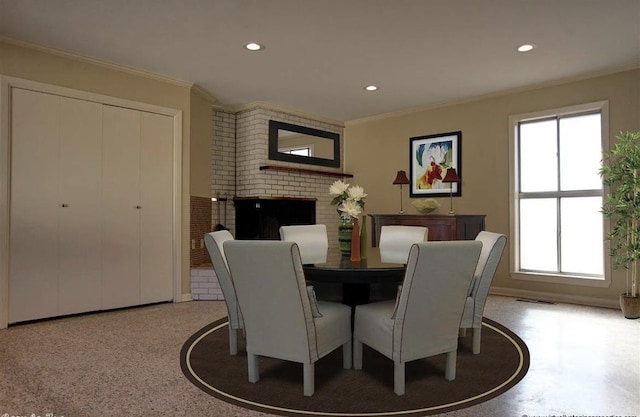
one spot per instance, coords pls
(451, 177)
(401, 178)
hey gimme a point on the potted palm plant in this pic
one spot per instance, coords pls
(620, 172)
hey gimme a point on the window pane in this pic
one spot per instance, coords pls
(298, 151)
(580, 152)
(538, 234)
(582, 236)
(538, 156)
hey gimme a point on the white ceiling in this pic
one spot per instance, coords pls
(321, 53)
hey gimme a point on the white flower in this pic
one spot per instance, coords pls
(436, 154)
(338, 187)
(356, 193)
(351, 207)
(349, 200)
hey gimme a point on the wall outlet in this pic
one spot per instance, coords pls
(193, 243)
(201, 243)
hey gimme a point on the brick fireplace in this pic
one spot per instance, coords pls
(240, 149)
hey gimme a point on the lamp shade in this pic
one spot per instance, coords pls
(452, 176)
(401, 178)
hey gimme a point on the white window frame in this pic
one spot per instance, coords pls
(603, 108)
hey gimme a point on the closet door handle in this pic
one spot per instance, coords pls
(65, 205)
(138, 207)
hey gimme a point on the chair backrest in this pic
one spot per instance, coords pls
(312, 241)
(272, 293)
(432, 298)
(396, 241)
(214, 242)
(493, 245)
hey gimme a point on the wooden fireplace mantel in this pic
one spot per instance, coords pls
(305, 171)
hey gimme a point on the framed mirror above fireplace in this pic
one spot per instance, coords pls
(304, 145)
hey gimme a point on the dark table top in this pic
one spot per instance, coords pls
(362, 272)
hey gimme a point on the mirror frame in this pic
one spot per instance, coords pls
(275, 126)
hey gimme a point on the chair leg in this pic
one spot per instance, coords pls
(308, 374)
(233, 341)
(450, 370)
(347, 355)
(476, 340)
(252, 363)
(398, 378)
(357, 354)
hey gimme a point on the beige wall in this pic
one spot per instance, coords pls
(32, 64)
(201, 144)
(374, 149)
(377, 148)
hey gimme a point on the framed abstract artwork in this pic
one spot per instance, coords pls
(430, 157)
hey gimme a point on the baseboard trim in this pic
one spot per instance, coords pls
(185, 297)
(553, 297)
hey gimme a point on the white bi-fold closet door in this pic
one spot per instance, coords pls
(137, 201)
(91, 206)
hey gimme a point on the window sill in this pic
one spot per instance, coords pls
(561, 279)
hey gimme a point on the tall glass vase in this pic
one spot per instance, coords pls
(355, 241)
(363, 238)
(345, 232)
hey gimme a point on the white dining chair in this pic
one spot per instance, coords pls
(312, 241)
(493, 245)
(395, 242)
(424, 319)
(277, 307)
(214, 242)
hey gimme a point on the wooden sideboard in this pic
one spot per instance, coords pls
(441, 226)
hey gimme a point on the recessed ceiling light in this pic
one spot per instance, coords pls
(371, 88)
(252, 46)
(526, 47)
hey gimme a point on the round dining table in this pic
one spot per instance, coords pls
(356, 277)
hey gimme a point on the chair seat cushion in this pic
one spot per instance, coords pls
(374, 325)
(333, 329)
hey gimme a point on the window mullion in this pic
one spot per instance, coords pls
(559, 234)
(558, 209)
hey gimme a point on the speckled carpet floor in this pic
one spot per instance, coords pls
(502, 363)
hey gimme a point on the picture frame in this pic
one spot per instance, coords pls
(429, 158)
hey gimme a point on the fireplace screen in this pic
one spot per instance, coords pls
(261, 218)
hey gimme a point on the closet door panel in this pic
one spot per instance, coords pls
(80, 192)
(120, 212)
(34, 206)
(156, 222)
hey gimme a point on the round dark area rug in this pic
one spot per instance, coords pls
(502, 363)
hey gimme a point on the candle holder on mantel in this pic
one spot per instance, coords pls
(401, 179)
(451, 178)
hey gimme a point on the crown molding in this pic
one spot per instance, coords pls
(204, 93)
(496, 94)
(95, 61)
(275, 107)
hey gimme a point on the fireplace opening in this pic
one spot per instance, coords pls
(261, 218)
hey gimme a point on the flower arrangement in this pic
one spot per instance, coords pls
(349, 199)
